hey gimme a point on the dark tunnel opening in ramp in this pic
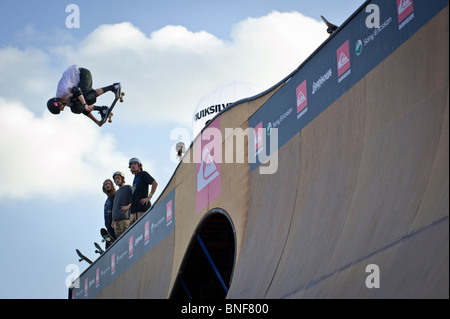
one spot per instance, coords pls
(207, 267)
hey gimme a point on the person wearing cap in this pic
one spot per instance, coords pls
(75, 90)
(141, 197)
(121, 205)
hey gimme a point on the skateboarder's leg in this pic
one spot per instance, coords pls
(112, 88)
(90, 96)
(100, 108)
(77, 108)
(85, 80)
(86, 83)
(103, 110)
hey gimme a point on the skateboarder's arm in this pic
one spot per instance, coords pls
(87, 107)
(92, 117)
(79, 95)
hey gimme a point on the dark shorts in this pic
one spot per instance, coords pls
(88, 92)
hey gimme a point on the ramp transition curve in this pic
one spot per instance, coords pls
(364, 182)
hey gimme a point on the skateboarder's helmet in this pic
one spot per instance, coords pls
(118, 173)
(53, 106)
(135, 159)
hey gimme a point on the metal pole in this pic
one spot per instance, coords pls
(185, 288)
(212, 263)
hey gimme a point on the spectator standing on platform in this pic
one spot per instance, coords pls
(110, 191)
(121, 205)
(141, 197)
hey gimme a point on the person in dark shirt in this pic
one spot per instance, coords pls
(110, 191)
(141, 197)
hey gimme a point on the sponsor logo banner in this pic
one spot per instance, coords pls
(302, 101)
(208, 152)
(404, 9)
(137, 241)
(343, 58)
(341, 62)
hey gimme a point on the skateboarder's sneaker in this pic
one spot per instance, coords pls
(103, 110)
(117, 89)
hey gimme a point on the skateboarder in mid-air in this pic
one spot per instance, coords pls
(75, 90)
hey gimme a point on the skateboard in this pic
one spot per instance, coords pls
(83, 257)
(119, 97)
(99, 250)
(331, 27)
(106, 237)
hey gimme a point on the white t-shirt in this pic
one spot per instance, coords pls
(70, 78)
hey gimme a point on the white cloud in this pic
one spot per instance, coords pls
(270, 47)
(26, 75)
(52, 156)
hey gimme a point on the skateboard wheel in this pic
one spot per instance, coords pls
(122, 93)
(109, 120)
(121, 100)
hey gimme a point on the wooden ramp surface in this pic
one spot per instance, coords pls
(366, 182)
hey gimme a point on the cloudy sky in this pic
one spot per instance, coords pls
(167, 55)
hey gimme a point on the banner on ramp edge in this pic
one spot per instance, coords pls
(335, 68)
(145, 234)
(208, 159)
